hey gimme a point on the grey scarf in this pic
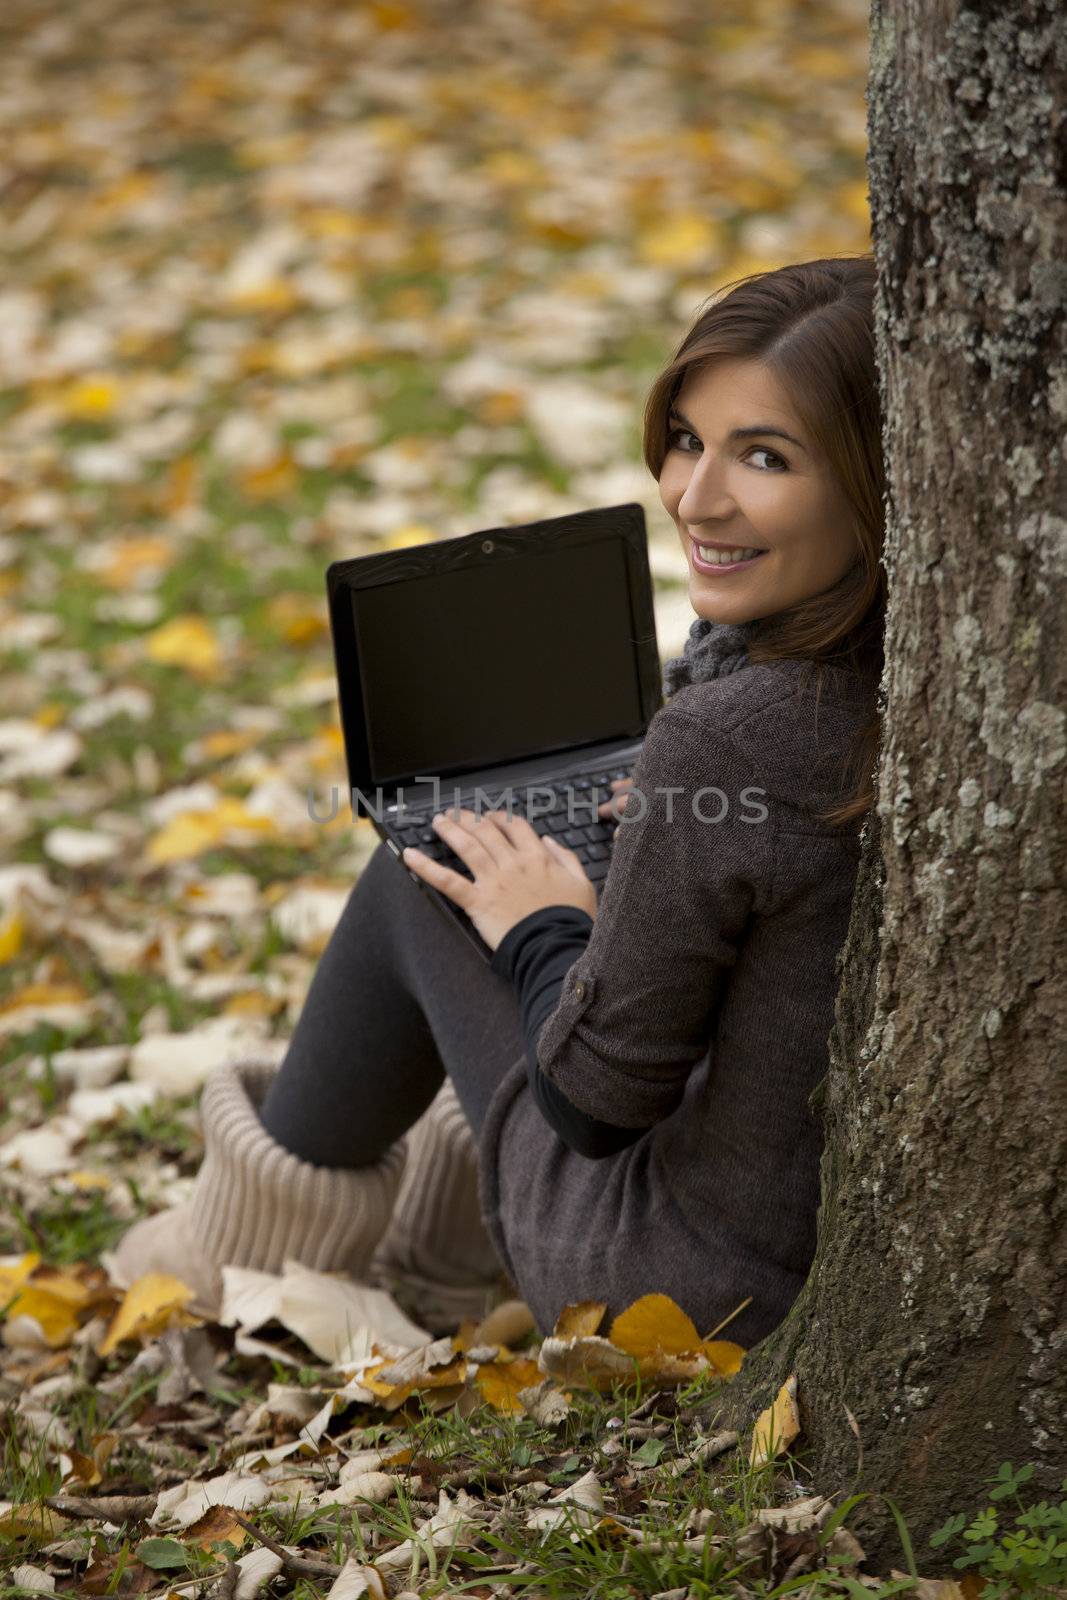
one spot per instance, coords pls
(712, 650)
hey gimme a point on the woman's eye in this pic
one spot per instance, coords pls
(676, 433)
(761, 450)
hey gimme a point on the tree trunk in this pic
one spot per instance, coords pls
(936, 1310)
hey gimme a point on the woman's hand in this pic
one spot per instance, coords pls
(614, 808)
(516, 871)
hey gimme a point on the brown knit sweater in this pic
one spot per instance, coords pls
(702, 1005)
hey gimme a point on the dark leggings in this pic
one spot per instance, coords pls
(398, 999)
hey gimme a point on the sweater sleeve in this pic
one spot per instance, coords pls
(535, 956)
(691, 865)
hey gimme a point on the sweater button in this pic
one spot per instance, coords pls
(579, 990)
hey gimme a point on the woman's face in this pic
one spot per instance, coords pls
(757, 492)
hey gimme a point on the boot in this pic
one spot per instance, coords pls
(436, 1258)
(254, 1203)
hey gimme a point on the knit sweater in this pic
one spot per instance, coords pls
(698, 1013)
(536, 954)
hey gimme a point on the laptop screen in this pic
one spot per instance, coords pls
(507, 659)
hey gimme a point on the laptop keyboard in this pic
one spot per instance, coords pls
(582, 831)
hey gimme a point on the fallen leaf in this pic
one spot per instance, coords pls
(725, 1356)
(151, 1304)
(577, 1321)
(185, 641)
(654, 1323)
(187, 1502)
(499, 1382)
(217, 1526)
(453, 1523)
(776, 1428)
(356, 1579)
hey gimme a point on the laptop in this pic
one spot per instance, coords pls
(512, 669)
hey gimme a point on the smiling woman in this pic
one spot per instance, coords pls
(618, 1104)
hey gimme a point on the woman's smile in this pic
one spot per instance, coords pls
(715, 559)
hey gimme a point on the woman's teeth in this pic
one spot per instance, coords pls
(723, 558)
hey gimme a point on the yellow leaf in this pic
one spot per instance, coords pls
(55, 1313)
(725, 1356)
(853, 199)
(91, 398)
(12, 930)
(89, 1180)
(393, 1395)
(273, 294)
(297, 617)
(32, 1520)
(44, 994)
(579, 1320)
(390, 17)
(276, 479)
(655, 1324)
(149, 1305)
(820, 62)
(410, 533)
(63, 1285)
(130, 558)
(463, 1338)
(509, 167)
(181, 486)
(776, 1428)
(50, 714)
(15, 1273)
(687, 239)
(192, 832)
(185, 641)
(500, 407)
(90, 1469)
(500, 1381)
(252, 1003)
(224, 742)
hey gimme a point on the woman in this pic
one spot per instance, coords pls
(619, 1104)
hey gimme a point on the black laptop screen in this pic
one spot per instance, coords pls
(505, 660)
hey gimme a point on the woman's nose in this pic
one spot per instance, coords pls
(705, 497)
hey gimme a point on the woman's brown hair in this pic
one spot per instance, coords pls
(812, 324)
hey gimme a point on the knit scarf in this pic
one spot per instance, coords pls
(712, 650)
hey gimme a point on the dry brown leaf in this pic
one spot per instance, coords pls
(592, 1362)
(217, 1526)
(506, 1324)
(967, 1588)
(117, 1574)
(32, 1521)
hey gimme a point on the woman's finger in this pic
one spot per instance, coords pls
(450, 883)
(516, 830)
(569, 858)
(473, 839)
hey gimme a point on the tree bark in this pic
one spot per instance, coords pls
(936, 1309)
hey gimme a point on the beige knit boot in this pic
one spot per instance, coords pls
(436, 1258)
(254, 1203)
